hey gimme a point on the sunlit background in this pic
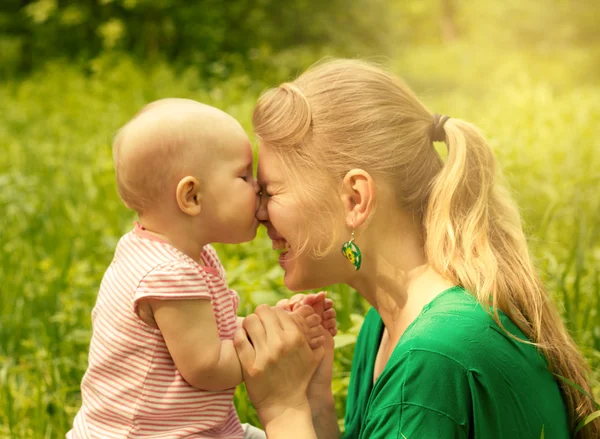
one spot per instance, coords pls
(72, 71)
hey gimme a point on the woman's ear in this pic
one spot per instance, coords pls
(189, 196)
(358, 197)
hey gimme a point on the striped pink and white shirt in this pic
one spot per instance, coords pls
(132, 388)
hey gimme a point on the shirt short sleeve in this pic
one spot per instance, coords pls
(174, 280)
(425, 394)
(235, 299)
(407, 421)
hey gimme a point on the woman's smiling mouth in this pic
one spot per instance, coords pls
(280, 244)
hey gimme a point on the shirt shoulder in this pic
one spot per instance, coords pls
(457, 326)
(174, 279)
(212, 258)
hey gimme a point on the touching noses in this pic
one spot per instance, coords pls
(262, 214)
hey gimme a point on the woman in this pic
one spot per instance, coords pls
(462, 339)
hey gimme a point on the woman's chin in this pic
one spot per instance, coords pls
(290, 278)
(294, 281)
(301, 274)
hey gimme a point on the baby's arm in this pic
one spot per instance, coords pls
(190, 332)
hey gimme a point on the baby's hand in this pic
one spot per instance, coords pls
(321, 305)
(309, 323)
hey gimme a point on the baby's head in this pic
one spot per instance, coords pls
(183, 165)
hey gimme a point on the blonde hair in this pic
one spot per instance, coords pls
(346, 114)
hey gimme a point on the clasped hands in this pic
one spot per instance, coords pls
(280, 349)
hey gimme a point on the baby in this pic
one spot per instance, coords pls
(162, 361)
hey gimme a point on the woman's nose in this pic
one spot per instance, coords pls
(262, 214)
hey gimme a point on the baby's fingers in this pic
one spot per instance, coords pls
(329, 314)
(303, 311)
(285, 304)
(297, 298)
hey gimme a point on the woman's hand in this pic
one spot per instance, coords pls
(319, 394)
(278, 365)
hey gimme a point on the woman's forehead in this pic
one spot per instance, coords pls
(269, 166)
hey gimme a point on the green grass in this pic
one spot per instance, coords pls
(61, 217)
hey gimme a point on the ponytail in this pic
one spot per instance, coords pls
(475, 237)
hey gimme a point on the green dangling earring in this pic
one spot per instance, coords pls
(351, 252)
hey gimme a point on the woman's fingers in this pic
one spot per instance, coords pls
(294, 325)
(314, 332)
(316, 342)
(315, 336)
(244, 348)
(270, 321)
(256, 332)
(288, 320)
(313, 320)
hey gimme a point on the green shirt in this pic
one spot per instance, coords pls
(454, 374)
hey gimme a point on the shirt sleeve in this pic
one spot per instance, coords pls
(426, 395)
(174, 280)
(235, 299)
(408, 421)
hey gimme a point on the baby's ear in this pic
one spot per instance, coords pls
(189, 196)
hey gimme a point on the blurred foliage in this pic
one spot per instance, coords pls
(212, 34)
(62, 217)
(219, 36)
(73, 71)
